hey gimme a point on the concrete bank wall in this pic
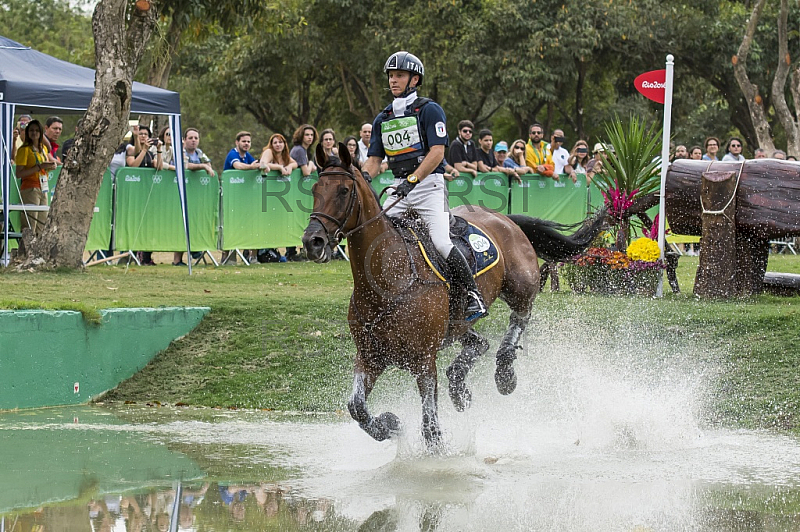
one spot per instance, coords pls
(50, 358)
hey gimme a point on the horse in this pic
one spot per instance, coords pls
(399, 312)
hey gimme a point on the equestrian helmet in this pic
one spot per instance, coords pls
(406, 62)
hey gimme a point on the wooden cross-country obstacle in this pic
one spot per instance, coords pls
(736, 209)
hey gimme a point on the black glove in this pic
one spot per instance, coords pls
(366, 176)
(404, 188)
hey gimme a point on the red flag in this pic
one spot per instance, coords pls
(652, 85)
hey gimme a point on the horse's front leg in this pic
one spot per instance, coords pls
(504, 376)
(428, 391)
(385, 425)
(473, 346)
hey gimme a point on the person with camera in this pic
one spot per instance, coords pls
(139, 155)
(559, 154)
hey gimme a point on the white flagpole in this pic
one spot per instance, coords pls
(664, 167)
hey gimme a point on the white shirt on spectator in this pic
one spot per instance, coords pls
(560, 159)
(362, 151)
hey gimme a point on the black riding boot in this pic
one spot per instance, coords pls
(462, 277)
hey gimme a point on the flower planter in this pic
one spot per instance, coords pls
(612, 273)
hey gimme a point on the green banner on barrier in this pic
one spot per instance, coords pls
(264, 211)
(149, 216)
(543, 197)
(486, 190)
(99, 236)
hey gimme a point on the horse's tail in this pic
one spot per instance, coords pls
(548, 241)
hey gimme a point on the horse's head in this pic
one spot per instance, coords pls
(337, 208)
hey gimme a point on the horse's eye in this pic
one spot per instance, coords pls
(343, 190)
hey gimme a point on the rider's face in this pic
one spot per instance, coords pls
(398, 79)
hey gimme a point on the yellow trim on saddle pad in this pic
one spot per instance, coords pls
(438, 273)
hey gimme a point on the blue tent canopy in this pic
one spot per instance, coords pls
(34, 82)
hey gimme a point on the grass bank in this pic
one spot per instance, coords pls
(277, 336)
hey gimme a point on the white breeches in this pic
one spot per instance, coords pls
(429, 199)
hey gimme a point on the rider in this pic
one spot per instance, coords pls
(412, 134)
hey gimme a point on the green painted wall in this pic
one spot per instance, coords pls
(43, 354)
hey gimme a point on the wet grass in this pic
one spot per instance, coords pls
(277, 338)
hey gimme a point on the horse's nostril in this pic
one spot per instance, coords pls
(317, 242)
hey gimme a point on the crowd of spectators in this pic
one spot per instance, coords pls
(36, 150)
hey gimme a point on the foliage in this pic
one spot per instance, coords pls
(605, 271)
(632, 163)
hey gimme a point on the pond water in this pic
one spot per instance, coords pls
(589, 441)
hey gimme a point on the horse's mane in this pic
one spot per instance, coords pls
(348, 165)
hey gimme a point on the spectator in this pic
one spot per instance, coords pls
(501, 154)
(302, 139)
(487, 160)
(579, 161)
(760, 153)
(680, 152)
(791, 158)
(33, 162)
(352, 146)
(595, 164)
(450, 171)
(193, 157)
(712, 148)
(168, 153)
(138, 155)
(696, 153)
(276, 156)
(239, 158)
(463, 154)
(363, 144)
(537, 156)
(69, 142)
(733, 151)
(516, 158)
(54, 126)
(328, 141)
(119, 158)
(559, 154)
(18, 135)
(779, 154)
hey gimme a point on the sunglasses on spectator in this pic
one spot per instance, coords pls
(582, 150)
(518, 147)
(466, 130)
(537, 132)
(736, 145)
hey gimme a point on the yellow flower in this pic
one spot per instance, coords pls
(644, 249)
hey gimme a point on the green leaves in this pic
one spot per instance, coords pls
(632, 161)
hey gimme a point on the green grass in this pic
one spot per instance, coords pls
(276, 337)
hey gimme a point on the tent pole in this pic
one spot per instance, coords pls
(180, 171)
(6, 138)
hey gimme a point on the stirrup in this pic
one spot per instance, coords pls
(476, 308)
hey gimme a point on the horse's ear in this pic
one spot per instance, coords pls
(322, 158)
(344, 156)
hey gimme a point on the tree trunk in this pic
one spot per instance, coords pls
(788, 121)
(755, 102)
(120, 39)
(581, 66)
(716, 274)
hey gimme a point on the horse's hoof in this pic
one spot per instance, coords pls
(460, 395)
(505, 379)
(383, 427)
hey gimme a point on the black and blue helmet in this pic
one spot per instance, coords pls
(406, 62)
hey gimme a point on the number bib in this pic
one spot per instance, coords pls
(400, 136)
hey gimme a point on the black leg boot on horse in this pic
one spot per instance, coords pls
(461, 276)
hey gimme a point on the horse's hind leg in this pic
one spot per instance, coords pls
(382, 427)
(428, 391)
(504, 376)
(473, 346)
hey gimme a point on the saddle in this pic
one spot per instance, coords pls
(476, 246)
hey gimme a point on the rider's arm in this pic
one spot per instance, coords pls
(430, 162)
(373, 165)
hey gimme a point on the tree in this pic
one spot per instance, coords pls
(121, 32)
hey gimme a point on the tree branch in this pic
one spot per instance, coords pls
(754, 101)
(788, 121)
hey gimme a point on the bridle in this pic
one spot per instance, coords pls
(339, 234)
